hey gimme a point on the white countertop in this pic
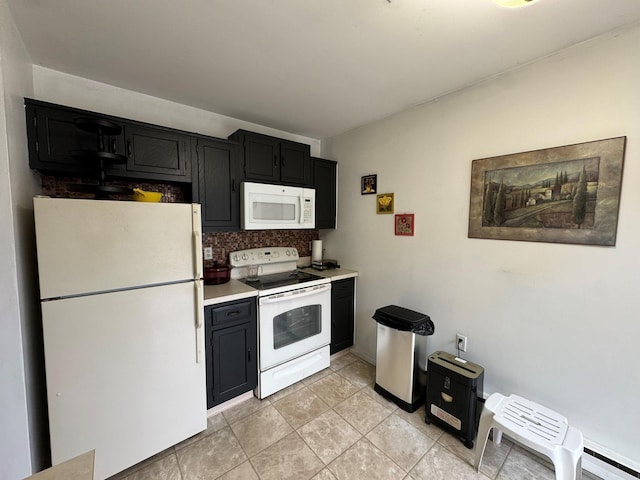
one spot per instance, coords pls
(228, 292)
(333, 274)
(236, 290)
(78, 468)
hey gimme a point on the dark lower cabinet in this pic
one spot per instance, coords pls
(324, 181)
(231, 350)
(342, 314)
(217, 186)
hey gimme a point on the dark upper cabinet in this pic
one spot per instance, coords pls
(53, 137)
(261, 157)
(324, 181)
(217, 187)
(158, 152)
(295, 163)
(231, 350)
(151, 152)
(342, 314)
(274, 160)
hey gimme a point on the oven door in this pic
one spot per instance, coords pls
(294, 323)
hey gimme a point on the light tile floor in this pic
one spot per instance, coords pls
(331, 426)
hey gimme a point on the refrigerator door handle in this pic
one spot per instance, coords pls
(197, 241)
(199, 321)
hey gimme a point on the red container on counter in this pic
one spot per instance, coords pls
(217, 274)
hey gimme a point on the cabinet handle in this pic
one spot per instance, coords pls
(234, 313)
(249, 355)
(275, 160)
(114, 146)
(233, 185)
(129, 151)
(282, 163)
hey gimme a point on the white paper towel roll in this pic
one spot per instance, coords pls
(316, 250)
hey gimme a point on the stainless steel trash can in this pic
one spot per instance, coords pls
(401, 355)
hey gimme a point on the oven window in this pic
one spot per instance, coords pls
(297, 324)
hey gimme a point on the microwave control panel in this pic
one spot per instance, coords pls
(307, 210)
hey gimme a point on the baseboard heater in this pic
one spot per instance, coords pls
(613, 463)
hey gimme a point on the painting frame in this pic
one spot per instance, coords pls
(600, 197)
(385, 203)
(404, 224)
(369, 184)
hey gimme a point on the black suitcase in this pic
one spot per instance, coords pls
(454, 395)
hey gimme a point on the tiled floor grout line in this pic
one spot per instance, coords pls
(295, 430)
(503, 462)
(443, 441)
(180, 468)
(361, 437)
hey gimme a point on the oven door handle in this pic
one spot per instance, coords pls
(283, 297)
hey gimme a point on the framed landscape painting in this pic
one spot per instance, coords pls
(568, 194)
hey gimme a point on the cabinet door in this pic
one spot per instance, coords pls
(234, 361)
(261, 159)
(53, 136)
(157, 153)
(218, 184)
(231, 350)
(295, 164)
(274, 160)
(342, 314)
(324, 174)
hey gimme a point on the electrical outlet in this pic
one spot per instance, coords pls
(461, 342)
(208, 253)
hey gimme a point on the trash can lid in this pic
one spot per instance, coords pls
(404, 320)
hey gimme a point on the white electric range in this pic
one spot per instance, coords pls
(294, 316)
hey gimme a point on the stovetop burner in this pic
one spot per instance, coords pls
(275, 280)
(278, 266)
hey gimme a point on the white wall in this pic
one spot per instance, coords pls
(22, 441)
(556, 323)
(63, 89)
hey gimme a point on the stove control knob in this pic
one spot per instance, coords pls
(288, 253)
(235, 257)
(244, 256)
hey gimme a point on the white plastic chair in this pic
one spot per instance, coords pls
(534, 426)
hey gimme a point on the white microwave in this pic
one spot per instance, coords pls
(265, 207)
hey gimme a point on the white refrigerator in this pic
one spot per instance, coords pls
(122, 312)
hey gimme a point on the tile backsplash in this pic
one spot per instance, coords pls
(57, 187)
(225, 242)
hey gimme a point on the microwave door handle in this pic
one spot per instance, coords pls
(301, 202)
(290, 295)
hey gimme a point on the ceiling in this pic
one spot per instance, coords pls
(311, 67)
